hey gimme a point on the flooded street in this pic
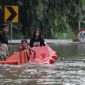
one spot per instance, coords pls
(69, 69)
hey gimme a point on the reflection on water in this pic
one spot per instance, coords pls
(68, 70)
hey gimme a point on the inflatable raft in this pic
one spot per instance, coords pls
(44, 55)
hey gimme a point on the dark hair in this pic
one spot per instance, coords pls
(35, 32)
(5, 26)
(24, 40)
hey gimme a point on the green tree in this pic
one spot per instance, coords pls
(51, 16)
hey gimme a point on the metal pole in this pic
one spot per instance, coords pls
(79, 26)
(11, 31)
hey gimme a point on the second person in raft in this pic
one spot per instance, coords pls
(37, 39)
(25, 47)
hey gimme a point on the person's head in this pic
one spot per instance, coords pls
(24, 43)
(6, 28)
(37, 34)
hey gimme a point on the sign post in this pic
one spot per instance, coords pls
(11, 30)
(11, 14)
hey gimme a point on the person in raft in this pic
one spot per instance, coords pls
(25, 47)
(37, 39)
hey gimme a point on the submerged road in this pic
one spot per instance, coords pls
(68, 70)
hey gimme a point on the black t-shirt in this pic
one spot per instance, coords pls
(3, 37)
(37, 42)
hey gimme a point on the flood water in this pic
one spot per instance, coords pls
(69, 69)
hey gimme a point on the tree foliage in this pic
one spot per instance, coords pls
(51, 16)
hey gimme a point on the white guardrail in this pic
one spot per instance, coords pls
(46, 40)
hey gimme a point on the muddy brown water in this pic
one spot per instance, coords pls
(69, 69)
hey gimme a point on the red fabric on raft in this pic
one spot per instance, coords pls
(44, 54)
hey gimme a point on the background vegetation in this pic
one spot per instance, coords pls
(56, 18)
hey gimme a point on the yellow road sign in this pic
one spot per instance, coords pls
(11, 14)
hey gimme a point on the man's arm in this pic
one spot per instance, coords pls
(32, 50)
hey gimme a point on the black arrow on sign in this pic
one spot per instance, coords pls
(13, 14)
